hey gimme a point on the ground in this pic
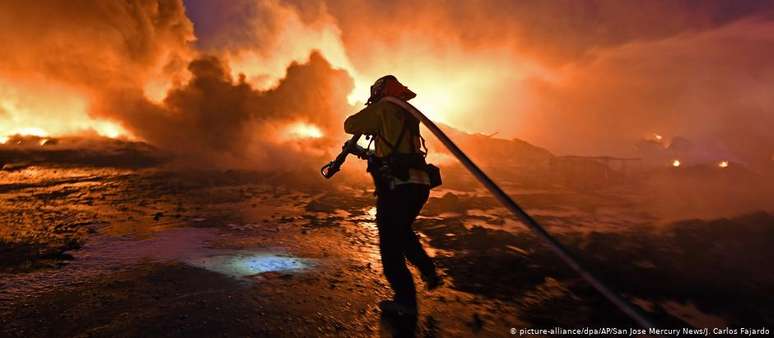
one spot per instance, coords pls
(158, 252)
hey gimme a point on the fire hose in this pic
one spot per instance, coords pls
(565, 255)
(350, 147)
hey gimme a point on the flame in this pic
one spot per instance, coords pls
(40, 108)
(301, 130)
(30, 131)
(723, 164)
(676, 163)
(444, 96)
(658, 137)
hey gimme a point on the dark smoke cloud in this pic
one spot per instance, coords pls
(214, 117)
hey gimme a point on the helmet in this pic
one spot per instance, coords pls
(389, 85)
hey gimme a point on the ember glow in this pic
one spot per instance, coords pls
(304, 130)
(36, 108)
(676, 163)
(723, 164)
(33, 131)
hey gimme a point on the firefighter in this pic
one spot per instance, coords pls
(402, 188)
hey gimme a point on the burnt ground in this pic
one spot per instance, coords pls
(90, 251)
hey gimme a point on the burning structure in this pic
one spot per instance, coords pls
(148, 146)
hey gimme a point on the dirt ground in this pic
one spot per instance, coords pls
(105, 252)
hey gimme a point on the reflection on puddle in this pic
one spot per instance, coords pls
(366, 219)
(247, 264)
(105, 255)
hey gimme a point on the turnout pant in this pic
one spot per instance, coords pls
(396, 211)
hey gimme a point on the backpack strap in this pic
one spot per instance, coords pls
(421, 151)
(407, 107)
(394, 147)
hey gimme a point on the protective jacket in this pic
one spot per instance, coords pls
(385, 121)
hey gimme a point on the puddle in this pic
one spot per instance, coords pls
(110, 254)
(247, 264)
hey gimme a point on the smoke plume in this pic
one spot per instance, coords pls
(93, 43)
(217, 118)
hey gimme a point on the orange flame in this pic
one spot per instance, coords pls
(301, 130)
(48, 109)
(676, 163)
